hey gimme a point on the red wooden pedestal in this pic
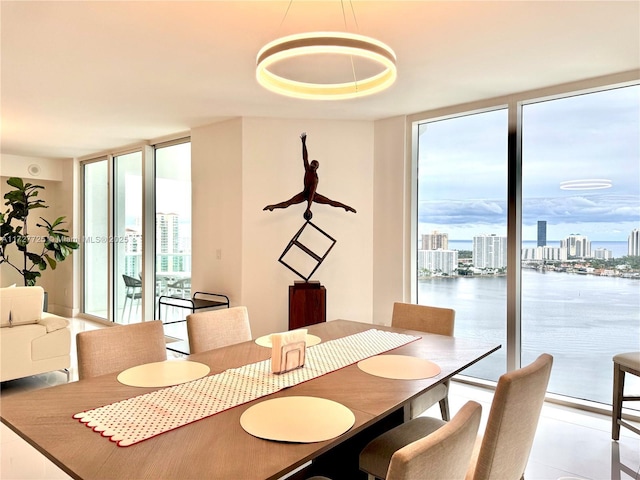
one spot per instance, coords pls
(307, 304)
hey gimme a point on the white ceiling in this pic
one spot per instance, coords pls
(85, 76)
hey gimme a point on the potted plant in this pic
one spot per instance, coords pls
(35, 252)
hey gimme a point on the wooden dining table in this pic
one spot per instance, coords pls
(217, 447)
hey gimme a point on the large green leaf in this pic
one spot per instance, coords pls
(16, 182)
(51, 261)
(30, 277)
(34, 257)
(22, 241)
(14, 196)
(37, 204)
(6, 229)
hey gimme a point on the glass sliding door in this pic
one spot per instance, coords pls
(94, 243)
(462, 226)
(113, 232)
(581, 192)
(127, 238)
(173, 229)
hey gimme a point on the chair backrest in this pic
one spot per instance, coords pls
(113, 349)
(444, 453)
(423, 318)
(181, 283)
(512, 422)
(217, 328)
(131, 282)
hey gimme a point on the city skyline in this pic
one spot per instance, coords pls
(574, 246)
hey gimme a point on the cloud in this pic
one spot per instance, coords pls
(460, 212)
(582, 209)
(555, 210)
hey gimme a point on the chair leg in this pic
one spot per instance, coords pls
(444, 409)
(618, 389)
(138, 306)
(131, 300)
(124, 308)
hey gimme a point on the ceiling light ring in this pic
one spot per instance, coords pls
(319, 40)
(332, 43)
(586, 184)
(328, 92)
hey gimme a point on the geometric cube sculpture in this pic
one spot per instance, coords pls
(306, 250)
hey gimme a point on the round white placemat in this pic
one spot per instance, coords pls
(265, 340)
(297, 419)
(163, 374)
(400, 367)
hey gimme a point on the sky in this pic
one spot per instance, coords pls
(462, 169)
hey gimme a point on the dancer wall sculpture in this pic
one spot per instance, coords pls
(307, 249)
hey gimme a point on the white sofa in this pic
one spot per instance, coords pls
(31, 341)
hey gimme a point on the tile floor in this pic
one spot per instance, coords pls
(570, 444)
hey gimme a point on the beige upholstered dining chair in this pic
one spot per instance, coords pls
(217, 328)
(442, 454)
(503, 451)
(623, 363)
(427, 319)
(117, 348)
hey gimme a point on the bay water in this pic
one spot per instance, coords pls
(582, 320)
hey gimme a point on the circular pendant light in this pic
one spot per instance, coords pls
(334, 43)
(586, 184)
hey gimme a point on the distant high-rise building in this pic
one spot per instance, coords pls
(554, 253)
(168, 243)
(542, 233)
(577, 246)
(489, 251)
(435, 241)
(133, 252)
(634, 243)
(438, 261)
(602, 254)
(544, 253)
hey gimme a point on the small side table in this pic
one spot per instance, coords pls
(198, 301)
(307, 304)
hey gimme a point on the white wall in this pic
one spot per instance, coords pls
(389, 232)
(217, 197)
(269, 160)
(42, 168)
(63, 300)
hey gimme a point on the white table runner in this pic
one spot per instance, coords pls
(138, 418)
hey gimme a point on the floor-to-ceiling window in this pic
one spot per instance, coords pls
(95, 248)
(581, 202)
(462, 225)
(578, 191)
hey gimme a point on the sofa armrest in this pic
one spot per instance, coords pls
(53, 322)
